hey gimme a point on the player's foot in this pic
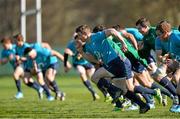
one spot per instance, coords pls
(50, 98)
(116, 96)
(19, 95)
(177, 110)
(60, 96)
(175, 100)
(151, 105)
(144, 109)
(173, 108)
(132, 107)
(127, 103)
(108, 98)
(96, 97)
(40, 93)
(164, 100)
(158, 95)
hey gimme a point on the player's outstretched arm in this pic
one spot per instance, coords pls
(114, 33)
(131, 38)
(67, 52)
(60, 57)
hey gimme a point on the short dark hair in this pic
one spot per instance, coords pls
(82, 28)
(143, 22)
(5, 40)
(19, 35)
(27, 50)
(179, 28)
(163, 26)
(118, 27)
(98, 28)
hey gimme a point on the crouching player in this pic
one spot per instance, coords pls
(84, 68)
(43, 61)
(170, 40)
(9, 54)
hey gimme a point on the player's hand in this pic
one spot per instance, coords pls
(140, 45)
(124, 47)
(68, 67)
(11, 57)
(149, 69)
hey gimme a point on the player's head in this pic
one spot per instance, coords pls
(6, 43)
(143, 25)
(83, 32)
(19, 40)
(30, 52)
(118, 27)
(163, 30)
(98, 28)
(179, 28)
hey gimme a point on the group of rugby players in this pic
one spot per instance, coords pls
(118, 60)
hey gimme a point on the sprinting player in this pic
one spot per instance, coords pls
(10, 54)
(44, 61)
(113, 65)
(84, 68)
(132, 54)
(139, 65)
(50, 73)
(169, 40)
(149, 36)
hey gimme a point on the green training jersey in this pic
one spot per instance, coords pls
(131, 50)
(116, 47)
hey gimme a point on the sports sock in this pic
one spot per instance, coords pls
(18, 85)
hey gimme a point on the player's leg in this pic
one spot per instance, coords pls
(28, 80)
(50, 77)
(176, 77)
(41, 81)
(89, 72)
(18, 73)
(82, 72)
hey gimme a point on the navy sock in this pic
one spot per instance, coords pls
(147, 98)
(112, 90)
(46, 90)
(88, 85)
(102, 89)
(143, 90)
(119, 104)
(34, 85)
(168, 85)
(18, 85)
(135, 98)
(178, 98)
(55, 86)
(163, 90)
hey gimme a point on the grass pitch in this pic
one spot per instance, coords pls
(78, 103)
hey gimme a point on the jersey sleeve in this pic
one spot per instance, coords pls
(158, 45)
(71, 46)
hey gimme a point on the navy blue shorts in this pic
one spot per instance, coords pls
(137, 67)
(119, 68)
(150, 59)
(86, 66)
(53, 66)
